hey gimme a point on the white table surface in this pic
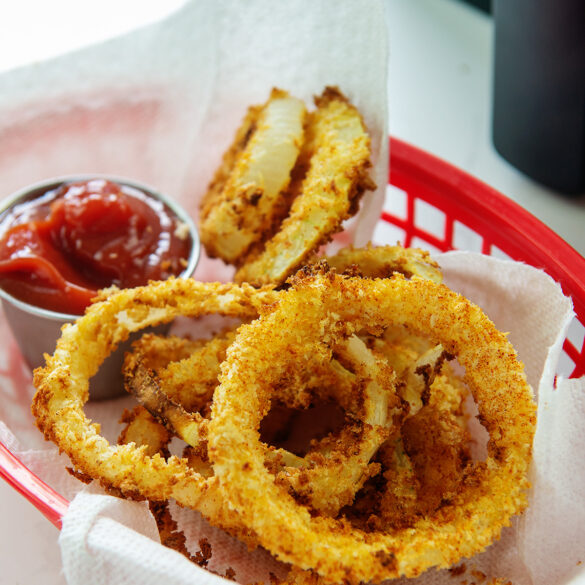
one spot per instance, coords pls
(440, 100)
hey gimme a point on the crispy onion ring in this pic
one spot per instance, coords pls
(337, 148)
(175, 379)
(329, 476)
(322, 307)
(384, 261)
(63, 389)
(244, 197)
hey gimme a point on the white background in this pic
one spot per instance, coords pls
(439, 100)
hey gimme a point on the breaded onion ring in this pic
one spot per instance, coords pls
(329, 476)
(384, 261)
(337, 147)
(244, 196)
(322, 307)
(63, 389)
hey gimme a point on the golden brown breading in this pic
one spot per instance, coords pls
(245, 194)
(337, 146)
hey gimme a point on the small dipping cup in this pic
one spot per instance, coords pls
(36, 329)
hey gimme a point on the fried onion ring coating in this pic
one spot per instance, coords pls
(337, 147)
(329, 476)
(324, 306)
(244, 197)
(63, 389)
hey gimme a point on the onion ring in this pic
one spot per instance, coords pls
(338, 149)
(62, 389)
(322, 306)
(329, 476)
(383, 261)
(244, 197)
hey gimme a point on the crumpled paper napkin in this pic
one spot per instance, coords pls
(108, 540)
(101, 532)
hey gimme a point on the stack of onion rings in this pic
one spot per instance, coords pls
(179, 394)
(314, 315)
(392, 490)
(492, 491)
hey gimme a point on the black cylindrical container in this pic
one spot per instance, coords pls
(539, 90)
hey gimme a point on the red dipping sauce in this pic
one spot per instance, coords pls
(58, 249)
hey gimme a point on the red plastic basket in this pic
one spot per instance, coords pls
(435, 206)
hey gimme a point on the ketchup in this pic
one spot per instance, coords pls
(59, 249)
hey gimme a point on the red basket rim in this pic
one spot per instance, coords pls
(45, 499)
(528, 238)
